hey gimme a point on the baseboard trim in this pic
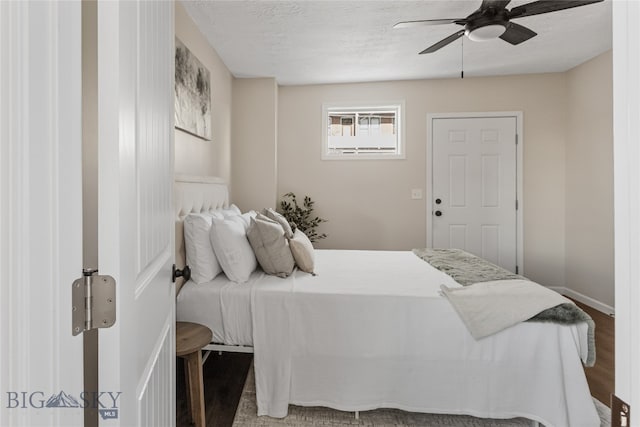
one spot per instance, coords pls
(593, 303)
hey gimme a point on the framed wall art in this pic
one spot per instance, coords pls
(192, 94)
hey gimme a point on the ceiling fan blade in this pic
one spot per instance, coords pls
(546, 6)
(425, 22)
(516, 34)
(497, 4)
(442, 43)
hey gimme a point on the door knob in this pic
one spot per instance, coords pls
(438, 201)
(184, 273)
(438, 213)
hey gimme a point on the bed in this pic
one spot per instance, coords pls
(372, 330)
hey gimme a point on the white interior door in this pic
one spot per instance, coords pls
(136, 227)
(474, 187)
(40, 213)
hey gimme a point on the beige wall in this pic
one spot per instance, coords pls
(253, 150)
(589, 180)
(368, 203)
(194, 156)
(267, 141)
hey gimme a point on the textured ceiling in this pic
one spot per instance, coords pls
(328, 41)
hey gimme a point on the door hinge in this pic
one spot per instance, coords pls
(93, 302)
(517, 204)
(517, 269)
(516, 139)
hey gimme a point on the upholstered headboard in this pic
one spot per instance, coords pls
(195, 194)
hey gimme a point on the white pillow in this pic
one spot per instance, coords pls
(230, 244)
(230, 211)
(244, 219)
(200, 256)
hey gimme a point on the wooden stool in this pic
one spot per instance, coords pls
(190, 338)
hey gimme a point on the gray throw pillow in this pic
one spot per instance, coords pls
(302, 250)
(280, 219)
(270, 246)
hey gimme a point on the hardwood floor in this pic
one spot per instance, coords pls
(224, 377)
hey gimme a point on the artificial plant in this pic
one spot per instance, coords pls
(302, 217)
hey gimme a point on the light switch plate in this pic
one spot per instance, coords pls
(416, 193)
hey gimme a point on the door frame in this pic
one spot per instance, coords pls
(519, 173)
(626, 130)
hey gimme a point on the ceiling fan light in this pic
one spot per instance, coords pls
(487, 32)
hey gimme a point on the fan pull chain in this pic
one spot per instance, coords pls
(462, 58)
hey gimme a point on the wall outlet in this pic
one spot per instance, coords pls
(416, 193)
(620, 412)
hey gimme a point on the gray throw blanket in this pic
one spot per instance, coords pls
(467, 269)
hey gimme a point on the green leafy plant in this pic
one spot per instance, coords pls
(302, 216)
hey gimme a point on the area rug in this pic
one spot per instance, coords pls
(300, 416)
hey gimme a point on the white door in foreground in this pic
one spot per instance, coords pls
(40, 213)
(474, 187)
(136, 227)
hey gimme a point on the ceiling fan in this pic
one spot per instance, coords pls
(493, 20)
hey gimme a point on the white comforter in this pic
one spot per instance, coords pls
(371, 330)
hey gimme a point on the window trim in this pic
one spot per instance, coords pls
(399, 106)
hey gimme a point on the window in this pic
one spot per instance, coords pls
(363, 132)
